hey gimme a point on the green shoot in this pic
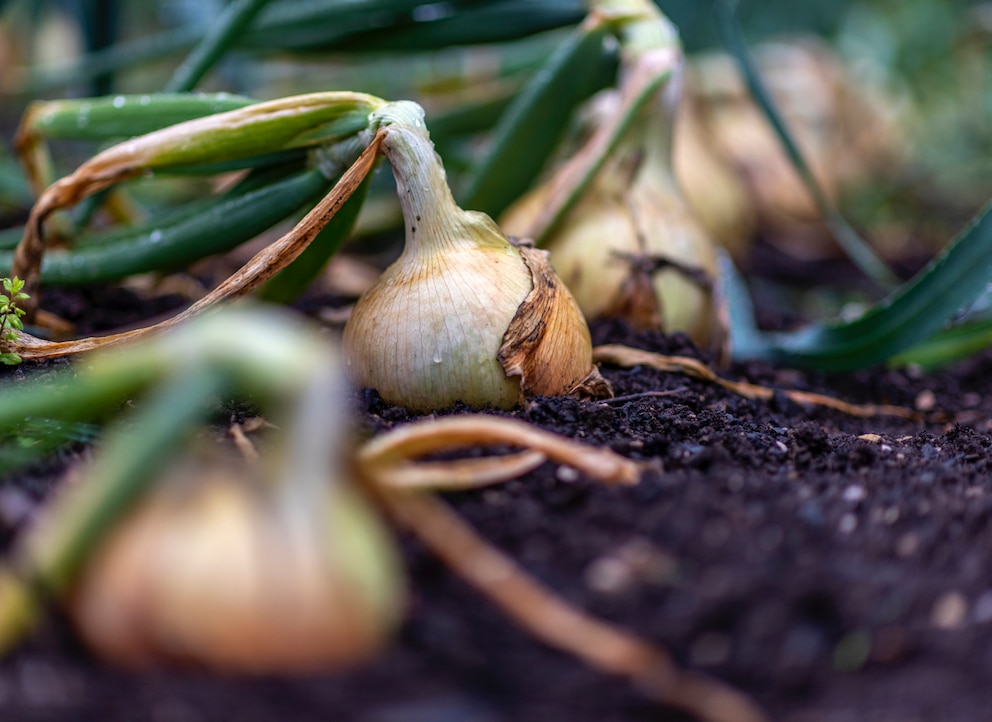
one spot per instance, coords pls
(10, 316)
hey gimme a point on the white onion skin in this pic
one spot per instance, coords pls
(445, 350)
(428, 333)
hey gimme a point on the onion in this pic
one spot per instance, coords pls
(268, 562)
(464, 314)
(208, 572)
(211, 570)
(631, 246)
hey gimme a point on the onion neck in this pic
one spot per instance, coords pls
(434, 222)
(651, 56)
(651, 135)
(643, 26)
(307, 470)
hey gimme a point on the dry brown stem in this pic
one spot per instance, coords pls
(459, 474)
(261, 267)
(627, 356)
(429, 435)
(544, 614)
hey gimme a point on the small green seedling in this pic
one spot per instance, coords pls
(10, 316)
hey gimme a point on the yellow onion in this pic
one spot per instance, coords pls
(463, 314)
(631, 246)
(715, 191)
(847, 130)
(273, 564)
(208, 571)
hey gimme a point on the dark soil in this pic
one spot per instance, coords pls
(834, 568)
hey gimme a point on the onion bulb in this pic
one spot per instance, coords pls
(211, 570)
(630, 246)
(716, 192)
(463, 314)
(849, 133)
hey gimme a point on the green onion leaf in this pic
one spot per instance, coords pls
(910, 315)
(847, 238)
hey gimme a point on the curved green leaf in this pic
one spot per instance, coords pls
(124, 116)
(331, 25)
(913, 313)
(235, 19)
(532, 125)
(947, 346)
(188, 237)
(860, 253)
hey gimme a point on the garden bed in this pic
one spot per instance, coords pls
(832, 567)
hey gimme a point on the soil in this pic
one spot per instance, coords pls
(834, 568)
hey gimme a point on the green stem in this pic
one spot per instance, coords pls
(641, 90)
(55, 550)
(182, 239)
(287, 285)
(233, 22)
(532, 126)
(64, 397)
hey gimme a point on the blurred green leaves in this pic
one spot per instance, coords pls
(913, 313)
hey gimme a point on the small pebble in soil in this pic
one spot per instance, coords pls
(854, 493)
(981, 611)
(848, 523)
(634, 562)
(926, 400)
(907, 544)
(949, 611)
(607, 575)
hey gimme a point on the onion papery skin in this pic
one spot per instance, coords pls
(205, 573)
(442, 324)
(427, 334)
